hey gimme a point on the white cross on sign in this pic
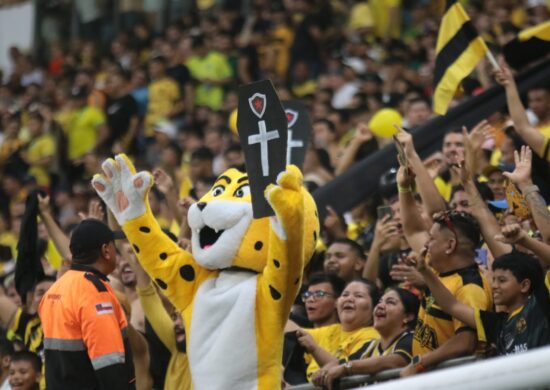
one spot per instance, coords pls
(262, 138)
(292, 143)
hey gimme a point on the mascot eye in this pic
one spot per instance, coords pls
(218, 190)
(242, 191)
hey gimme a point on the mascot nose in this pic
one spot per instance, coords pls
(201, 205)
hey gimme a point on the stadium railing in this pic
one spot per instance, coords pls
(360, 380)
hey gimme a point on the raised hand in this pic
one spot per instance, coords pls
(122, 189)
(163, 181)
(511, 234)
(521, 175)
(43, 204)
(503, 76)
(406, 140)
(479, 134)
(94, 211)
(362, 133)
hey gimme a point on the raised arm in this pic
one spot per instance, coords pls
(125, 193)
(530, 134)
(384, 230)
(514, 234)
(362, 135)
(289, 243)
(59, 238)
(521, 177)
(413, 225)
(443, 297)
(432, 200)
(487, 221)
(166, 185)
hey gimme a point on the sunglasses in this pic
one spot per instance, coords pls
(319, 294)
(445, 218)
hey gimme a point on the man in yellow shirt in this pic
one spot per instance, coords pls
(40, 151)
(164, 95)
(86, 127)
(212, 70)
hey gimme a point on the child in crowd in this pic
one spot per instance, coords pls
(25, 371)
(518, 287)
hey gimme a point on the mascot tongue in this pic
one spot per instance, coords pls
(208, 237)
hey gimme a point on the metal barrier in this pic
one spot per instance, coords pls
(361, 380)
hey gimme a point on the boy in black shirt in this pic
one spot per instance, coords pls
(518, 286)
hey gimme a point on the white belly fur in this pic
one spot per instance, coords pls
(222, 339)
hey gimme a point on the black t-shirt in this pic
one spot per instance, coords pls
(401, 345)
(524, 330)
(119, 112)
(251, 53)
(181, 74)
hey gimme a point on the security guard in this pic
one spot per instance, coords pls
(84, 325)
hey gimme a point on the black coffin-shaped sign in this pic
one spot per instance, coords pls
(299, 129)
(262, 126)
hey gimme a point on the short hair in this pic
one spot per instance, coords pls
(234, 148)
(45, 278)
(28, 356)
(419, 99)
(374, 291)
(336, 282)
(202, 154)
(355, 247)
(463, 223)
(6, 347)
(329, 124)
(524, 266)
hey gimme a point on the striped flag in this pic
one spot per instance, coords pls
(459, 48)
(540, 31)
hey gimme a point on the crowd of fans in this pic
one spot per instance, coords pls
(167, 99)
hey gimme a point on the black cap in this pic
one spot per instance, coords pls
(88, 236)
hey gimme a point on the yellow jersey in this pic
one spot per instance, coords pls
(434, 326)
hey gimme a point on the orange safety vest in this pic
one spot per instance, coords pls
(85, 343)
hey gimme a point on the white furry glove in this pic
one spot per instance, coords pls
(122, 189)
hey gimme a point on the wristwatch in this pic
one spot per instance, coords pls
(348, 366)
(417, 363)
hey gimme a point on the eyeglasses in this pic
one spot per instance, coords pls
(319, 294)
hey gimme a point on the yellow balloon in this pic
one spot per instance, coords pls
(383, 121)
(233, 121)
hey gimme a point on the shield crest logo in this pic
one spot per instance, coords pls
(291, 117)
(257, 103)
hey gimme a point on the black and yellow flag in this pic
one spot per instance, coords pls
(459, 49)
(540, 31)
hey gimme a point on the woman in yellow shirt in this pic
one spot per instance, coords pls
(342, 341)
(394, 318)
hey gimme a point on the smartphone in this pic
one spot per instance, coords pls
(382, 211)
(401, 152)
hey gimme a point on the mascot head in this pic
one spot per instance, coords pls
(224, 232)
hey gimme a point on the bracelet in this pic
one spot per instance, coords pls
(530, 189)
(348, 367)
(417, 363)
(403, 190)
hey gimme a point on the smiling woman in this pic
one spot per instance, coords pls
(394, 318)
(343, 341)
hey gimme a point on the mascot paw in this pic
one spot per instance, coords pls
(122, 189)
(286, 199)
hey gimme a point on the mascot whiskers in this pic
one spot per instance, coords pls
(236, 289)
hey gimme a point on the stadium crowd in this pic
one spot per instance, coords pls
(167, 98)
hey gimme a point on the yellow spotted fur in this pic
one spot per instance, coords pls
(279, 263)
